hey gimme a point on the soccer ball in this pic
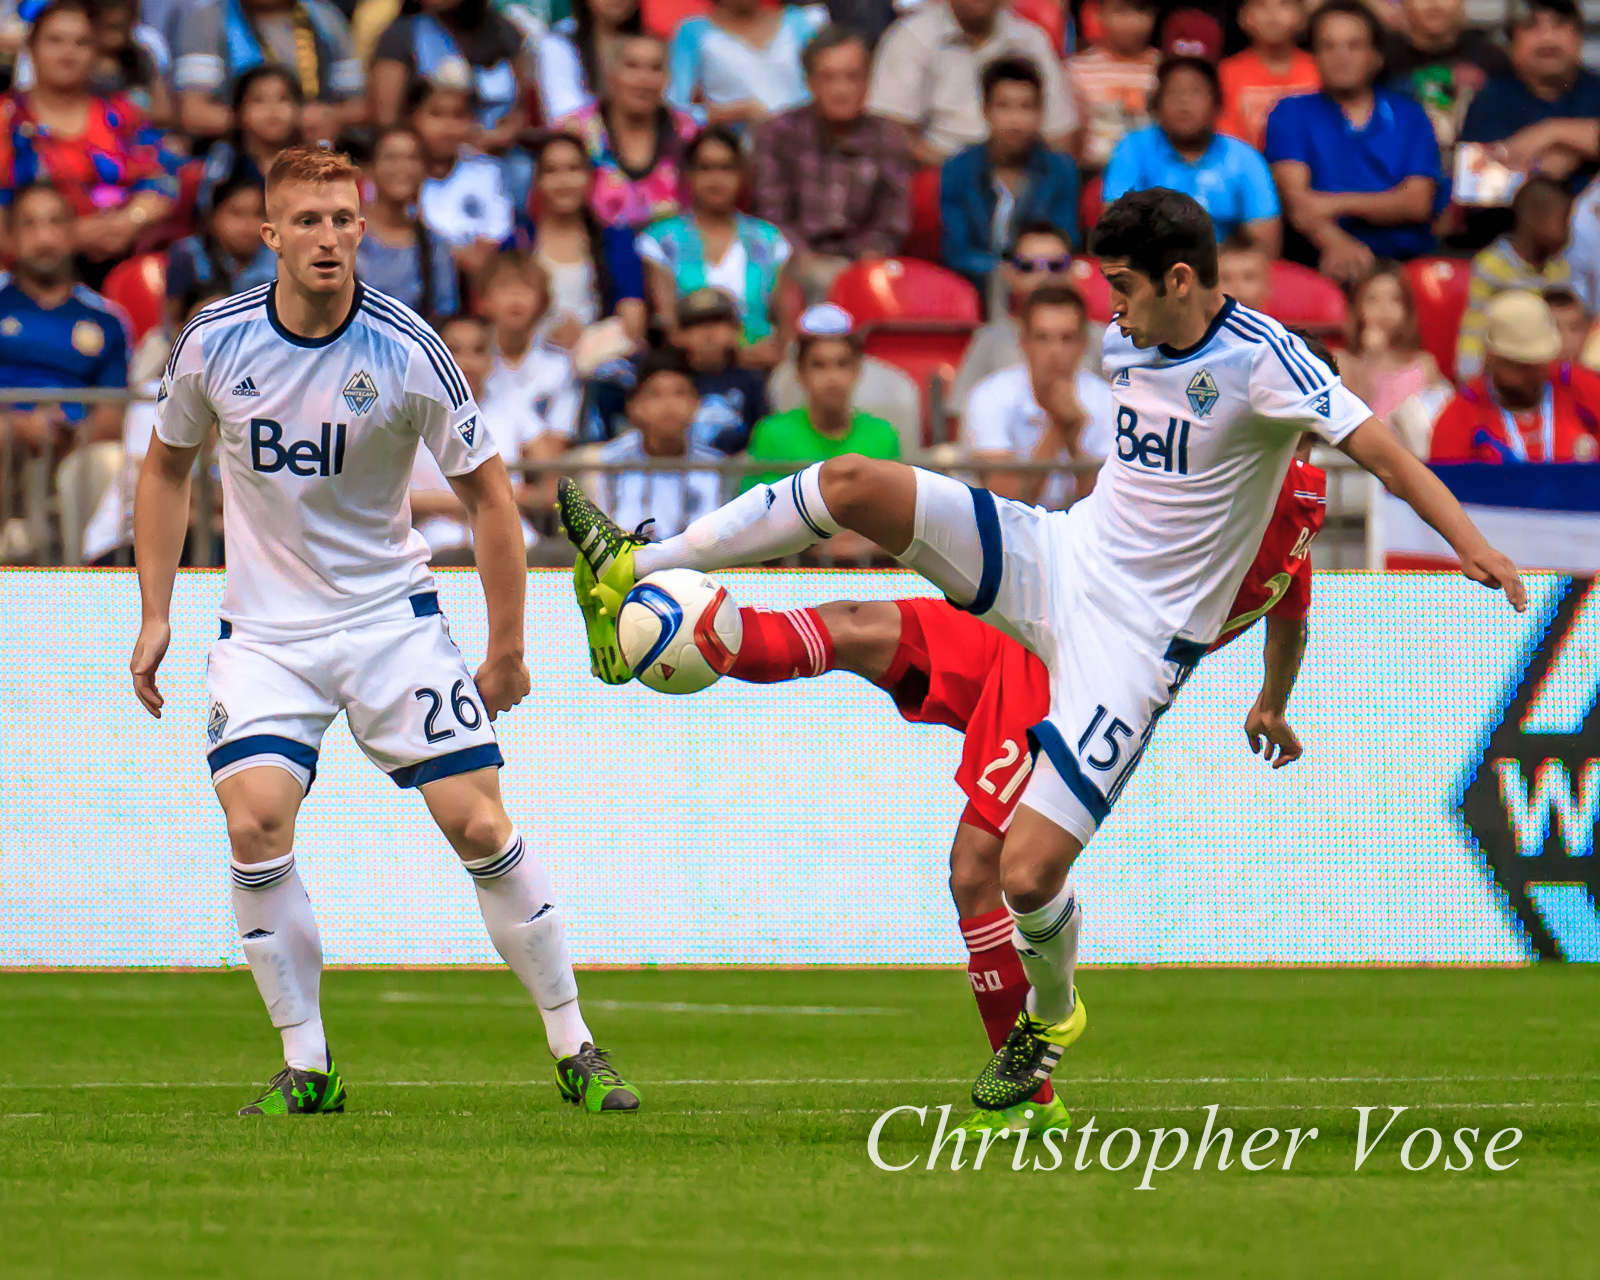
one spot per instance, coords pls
(679, 631)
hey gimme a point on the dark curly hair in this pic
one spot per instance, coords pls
(1156, 229)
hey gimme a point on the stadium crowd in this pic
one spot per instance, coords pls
(660, 235)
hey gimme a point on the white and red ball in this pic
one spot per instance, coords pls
(679, 631)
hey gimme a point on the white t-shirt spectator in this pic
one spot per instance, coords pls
(711, 65)
(540, 391)
(671, 498)
(1004, 417)
(469, 203)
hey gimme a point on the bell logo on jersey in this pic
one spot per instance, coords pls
(1202, 392)
(303, 457)
(1169, 452)
(361, 393)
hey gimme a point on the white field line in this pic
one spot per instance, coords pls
(878, 1111)
(647, 1006)
(804, 1082)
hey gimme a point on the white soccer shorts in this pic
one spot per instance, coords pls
(403, 685)
(1018, 568)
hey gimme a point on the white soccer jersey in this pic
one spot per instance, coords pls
(317, 437)
(1203, 440)
(1002, 416)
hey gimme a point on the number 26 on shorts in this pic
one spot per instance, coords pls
(466, 711)
(1102, 753)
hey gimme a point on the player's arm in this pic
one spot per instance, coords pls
(1379, 450)
(496, 525)
(161, 507)
(1266, 727)
(160, 521)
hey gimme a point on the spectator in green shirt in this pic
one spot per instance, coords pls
(828, 363)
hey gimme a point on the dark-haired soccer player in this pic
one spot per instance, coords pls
(942, 666)
(1119, 596)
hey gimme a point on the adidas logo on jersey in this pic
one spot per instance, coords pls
(1321, 405)
(246, 388)
(1123, 379)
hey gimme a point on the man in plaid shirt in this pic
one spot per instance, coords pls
(835, 179)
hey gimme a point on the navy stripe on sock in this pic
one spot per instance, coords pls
(1051, 929)
(507, 861)
(245, 878)
(800, 506)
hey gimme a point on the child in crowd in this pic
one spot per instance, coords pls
(399, 254)
(1113, 80)
(1573, 323)
(267, 105)
(465, 198)
(528, 378)
(662, 407)
(1244, 272)
(1273, 67)
(1385, 364)
(1531, 257)
(435, 510)
(229, 251)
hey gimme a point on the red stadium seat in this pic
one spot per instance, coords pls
(661, 17)
(1047, 15)
(927, 226)
(1306, 299)
(1440, 288)
(913, 315)
(139, 287)
(1090, 203)
(1088, 281)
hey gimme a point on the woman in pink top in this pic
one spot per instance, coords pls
(635, 139)
(1385, 364)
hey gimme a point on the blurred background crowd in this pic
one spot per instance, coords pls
(677, 245)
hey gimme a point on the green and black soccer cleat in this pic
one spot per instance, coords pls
(590, 1082)
(298, 1092)
(1026, 1059)
(602, 578)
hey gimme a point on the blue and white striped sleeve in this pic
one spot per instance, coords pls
(445, 414)
(1290, 385)
(184, 412)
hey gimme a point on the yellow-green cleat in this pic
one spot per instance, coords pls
(298, 1092)
(1026, 1059)
(589, 1081)
(602, 577)
(1036, 1117)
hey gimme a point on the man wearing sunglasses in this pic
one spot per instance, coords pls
(1040, 254)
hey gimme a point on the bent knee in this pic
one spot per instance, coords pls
(479, 833)
(257, 833)
(1029, 884)
(849, 481)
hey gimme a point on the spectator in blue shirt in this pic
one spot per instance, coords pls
(990, 190)
(54, 332)
(1183, 151)
(1543, 116)
(1358, 167)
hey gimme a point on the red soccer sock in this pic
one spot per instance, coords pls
(999, 983)
(792, 644)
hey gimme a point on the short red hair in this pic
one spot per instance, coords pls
(317, 165)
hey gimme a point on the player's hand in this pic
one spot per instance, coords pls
(1270, 736)
(1493, 569)
(502, 683)
(148, 650)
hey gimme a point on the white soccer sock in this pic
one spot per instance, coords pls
(767, 522)
(1047, 944)
(284, 949)
(517, 898)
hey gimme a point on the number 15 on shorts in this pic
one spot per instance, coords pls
(1100, 745)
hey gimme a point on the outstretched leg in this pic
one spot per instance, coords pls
(517, 898)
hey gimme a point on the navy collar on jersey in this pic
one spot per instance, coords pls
(300, 340)
(1174, 353)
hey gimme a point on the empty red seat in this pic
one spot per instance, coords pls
(913, 315)
(1047, 15)
(927, 224)
(139, 287)
(1088, 281)
(1307, 300)
(1440, 288)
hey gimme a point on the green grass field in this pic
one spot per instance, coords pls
(120, 1154)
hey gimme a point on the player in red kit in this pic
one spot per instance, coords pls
(941, 665)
